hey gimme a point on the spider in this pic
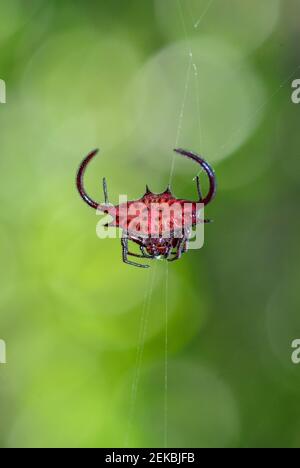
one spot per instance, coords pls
(159, 224)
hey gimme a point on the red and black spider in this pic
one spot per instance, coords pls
(144, 221)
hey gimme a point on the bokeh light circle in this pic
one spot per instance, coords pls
(234, 21)
(82, 73)
(209, 102)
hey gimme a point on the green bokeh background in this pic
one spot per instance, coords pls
(115, 74)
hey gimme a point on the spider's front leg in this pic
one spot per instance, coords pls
(125, 253)
(140, 243)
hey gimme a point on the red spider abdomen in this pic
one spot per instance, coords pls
(156, 215)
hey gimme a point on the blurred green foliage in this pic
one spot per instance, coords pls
(83, 74)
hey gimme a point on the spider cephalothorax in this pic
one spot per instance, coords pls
(159, 223)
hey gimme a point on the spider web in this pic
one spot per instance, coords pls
(144, 320)
(143, 328)
(191, 68)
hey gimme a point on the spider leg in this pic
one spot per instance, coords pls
(139, 255)
(106, 201)
(180, 250)
(145, 255)
(185, 246)
(141, 243)
(142, 248)
(125, 253)
(199, 188)
(203, 221)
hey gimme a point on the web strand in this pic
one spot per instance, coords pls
(166, 359)
(140, 351)
(197, 24)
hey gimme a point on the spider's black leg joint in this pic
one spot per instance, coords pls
(106, 201)
(125, 254)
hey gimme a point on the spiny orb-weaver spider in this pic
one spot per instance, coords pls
(159, 223)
